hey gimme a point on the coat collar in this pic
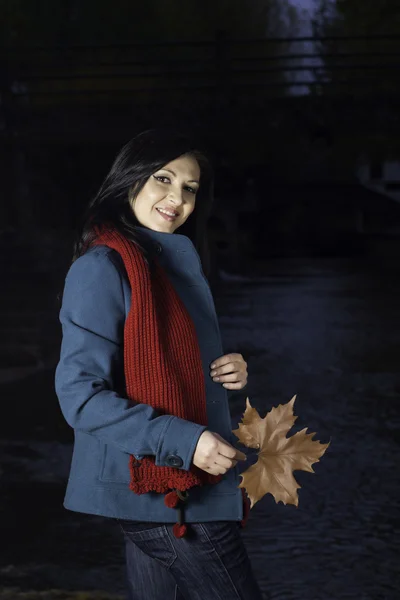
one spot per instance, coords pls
(168, 242)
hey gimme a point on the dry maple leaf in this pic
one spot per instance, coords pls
(278, 455)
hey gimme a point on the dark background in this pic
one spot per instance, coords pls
(300, 110)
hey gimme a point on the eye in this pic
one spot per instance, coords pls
(158, 177)
(192, 190)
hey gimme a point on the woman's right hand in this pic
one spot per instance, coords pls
(215, 455)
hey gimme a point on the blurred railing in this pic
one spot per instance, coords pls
(67, 105)
(218, 70)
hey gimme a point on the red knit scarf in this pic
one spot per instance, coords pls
(162, 364)
(163, 368)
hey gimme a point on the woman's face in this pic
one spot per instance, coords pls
(172, 188)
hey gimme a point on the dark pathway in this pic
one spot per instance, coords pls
(328, 331)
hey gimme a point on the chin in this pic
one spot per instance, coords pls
(169, 227)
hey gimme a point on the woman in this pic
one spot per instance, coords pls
(153, 441)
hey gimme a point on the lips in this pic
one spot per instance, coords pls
(172, 210)
(165, 216)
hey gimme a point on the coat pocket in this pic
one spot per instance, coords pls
(114, 466)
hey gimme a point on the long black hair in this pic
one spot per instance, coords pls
(142, 156)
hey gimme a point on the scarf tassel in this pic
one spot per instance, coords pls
(172, 500)
(175, 499)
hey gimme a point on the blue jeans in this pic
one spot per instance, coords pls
(209, 563)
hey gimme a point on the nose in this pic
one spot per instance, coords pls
(175, 197)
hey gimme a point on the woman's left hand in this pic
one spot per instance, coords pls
(231, 369)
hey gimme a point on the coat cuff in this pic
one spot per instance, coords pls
(178, 444)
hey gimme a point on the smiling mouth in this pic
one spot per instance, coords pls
(165, 216)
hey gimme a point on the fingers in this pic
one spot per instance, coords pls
(237, 385)
(229, 377)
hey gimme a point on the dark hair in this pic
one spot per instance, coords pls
(142, 156)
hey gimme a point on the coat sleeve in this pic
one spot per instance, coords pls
(92, 317)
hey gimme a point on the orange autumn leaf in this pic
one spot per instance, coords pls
(278, 455)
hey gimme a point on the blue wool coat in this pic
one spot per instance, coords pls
(90, 386)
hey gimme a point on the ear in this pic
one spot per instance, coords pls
(131, 192)
(131, 201)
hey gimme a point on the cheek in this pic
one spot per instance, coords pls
(149, 195)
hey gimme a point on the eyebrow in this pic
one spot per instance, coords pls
(174, 174)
